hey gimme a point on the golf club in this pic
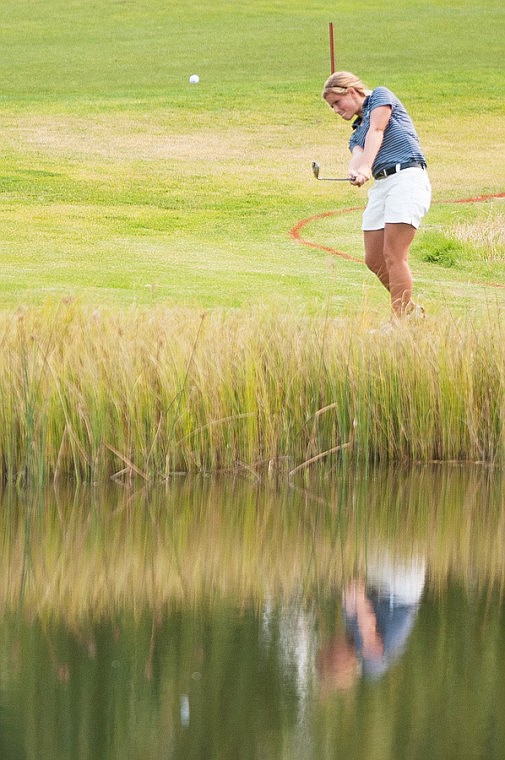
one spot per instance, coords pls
(315, 169)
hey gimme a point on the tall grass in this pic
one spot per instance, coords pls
(487, 236)
(93, 395)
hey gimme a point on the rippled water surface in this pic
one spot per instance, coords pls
(358, 616)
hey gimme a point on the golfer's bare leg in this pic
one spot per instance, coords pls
(397, 240)
(374, 255)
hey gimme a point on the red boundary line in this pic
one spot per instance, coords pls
(295, 232)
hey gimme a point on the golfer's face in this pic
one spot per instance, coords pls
(346, 105)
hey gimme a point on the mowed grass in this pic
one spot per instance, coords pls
(123, 185)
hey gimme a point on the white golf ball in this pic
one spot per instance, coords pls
(194, 79)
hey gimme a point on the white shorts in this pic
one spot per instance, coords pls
(403, 197)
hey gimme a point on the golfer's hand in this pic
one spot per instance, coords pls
(358, 177)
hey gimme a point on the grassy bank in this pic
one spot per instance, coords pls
(93, 395)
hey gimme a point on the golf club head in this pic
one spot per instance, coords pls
(315, 171)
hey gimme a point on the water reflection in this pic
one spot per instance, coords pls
(360, 616)
(379, 612)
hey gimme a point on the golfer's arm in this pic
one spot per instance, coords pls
(363, 158)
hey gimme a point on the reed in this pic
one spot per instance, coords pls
(92, 395)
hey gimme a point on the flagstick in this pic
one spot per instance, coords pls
(332, 49)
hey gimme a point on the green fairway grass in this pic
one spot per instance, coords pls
(122, 184)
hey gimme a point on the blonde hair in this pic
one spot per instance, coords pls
(340, 81)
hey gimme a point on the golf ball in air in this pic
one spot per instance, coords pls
(194, 79)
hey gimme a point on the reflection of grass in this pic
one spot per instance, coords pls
(94, 395)
(95, 552)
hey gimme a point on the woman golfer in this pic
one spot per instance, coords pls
(384, 144)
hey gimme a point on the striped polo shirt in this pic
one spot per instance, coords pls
(400, 143)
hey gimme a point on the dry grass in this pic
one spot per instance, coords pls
(486, 235)
(150, 137)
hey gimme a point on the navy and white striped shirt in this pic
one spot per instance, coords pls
(400, 143)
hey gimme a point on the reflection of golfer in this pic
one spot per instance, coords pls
(384, 144)
(379, 616)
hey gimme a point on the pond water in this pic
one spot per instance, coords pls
(356, 615)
